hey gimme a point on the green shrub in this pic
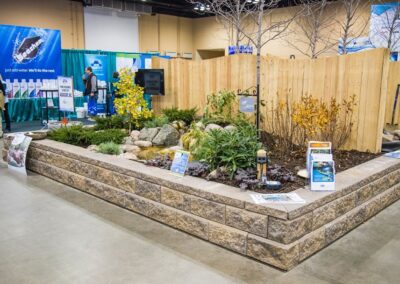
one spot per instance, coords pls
(74, 135)
(109, 148)
(109, 135)
(157, 121)
(112, 122)
(79, 136)
(186, 115)
(236, 149)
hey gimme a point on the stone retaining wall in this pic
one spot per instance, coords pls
(281, 236)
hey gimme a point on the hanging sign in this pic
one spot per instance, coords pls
(66, 94)
(16, 157)
(247, 104)
(180, 162)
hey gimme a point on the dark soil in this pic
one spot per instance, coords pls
(282, 168)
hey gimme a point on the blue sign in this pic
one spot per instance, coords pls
(247, 104)
(180, 162)
(29, 53)
(99, 64)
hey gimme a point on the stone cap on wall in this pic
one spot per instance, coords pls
(346, 181)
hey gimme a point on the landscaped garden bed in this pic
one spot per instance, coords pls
(279, 235)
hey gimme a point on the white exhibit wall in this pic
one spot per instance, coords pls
(111, 30)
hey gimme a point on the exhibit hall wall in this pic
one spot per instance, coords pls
(209, 34)
(63, 15)
(111, 30)
(165, 33)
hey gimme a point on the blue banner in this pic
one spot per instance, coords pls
(99, 64)
(29, 53)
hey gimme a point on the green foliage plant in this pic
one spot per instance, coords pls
(236, 149)
(157, 121)
(175, 114)
(80, 136)
(111, 122)
(222, 108)
(109, 148)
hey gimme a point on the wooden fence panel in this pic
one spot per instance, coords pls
(365, 75)
(393, 81)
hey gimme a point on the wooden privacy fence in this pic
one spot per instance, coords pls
(363, 74)
(391, 103)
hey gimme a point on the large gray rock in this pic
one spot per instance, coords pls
(148, 134)
(168, 136)
(130, 149)
(213, 126)
(135, 135)
(143, 144)
(128, 141)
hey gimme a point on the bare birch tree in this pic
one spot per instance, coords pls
(313, 32)
(262, 26)
(354, 23)
(387, 32)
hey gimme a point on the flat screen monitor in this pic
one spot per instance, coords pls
(152, 80)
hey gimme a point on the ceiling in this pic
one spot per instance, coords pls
(180, 8)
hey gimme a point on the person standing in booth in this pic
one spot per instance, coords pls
(91, 91)
(110, 104)
(4, 99)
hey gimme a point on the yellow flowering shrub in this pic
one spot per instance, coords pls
(132, 103)
(296, 123)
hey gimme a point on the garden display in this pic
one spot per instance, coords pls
(223, 142)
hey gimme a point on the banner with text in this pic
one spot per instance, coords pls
(99, 64)
(28, 56)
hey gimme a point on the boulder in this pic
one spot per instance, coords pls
(148, 134)
(143, 144)
(129, 156)
(93, 148)
(230, 128)
(128, 141)
(167, 136)
(212, 126)
(130, 148)
(135, 135)
(303, 173)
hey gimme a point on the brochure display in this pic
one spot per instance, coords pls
(16, 157)
(317, 147)
(66, 94)
(322, 176)
(180, 162)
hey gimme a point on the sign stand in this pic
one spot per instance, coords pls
(50, 106)
(66, 96)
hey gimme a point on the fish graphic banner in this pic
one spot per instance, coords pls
(29, 53)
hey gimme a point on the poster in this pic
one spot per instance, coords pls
(130, 61)
(99, 64)
(16, 157)
(28, 56)
(322, 173)
(66, 94)
(316, 147)
(279, 198)
(384, 19)
(180, 162)
(356, 45)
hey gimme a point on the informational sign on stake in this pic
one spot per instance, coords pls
(180, 162)
(17, 151)
(66, 94)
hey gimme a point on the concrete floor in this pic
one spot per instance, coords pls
(51, 233)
